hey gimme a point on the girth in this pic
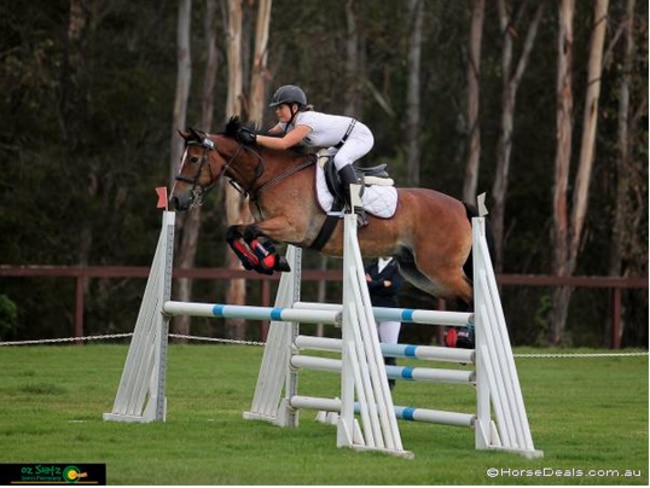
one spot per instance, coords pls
(328, 228)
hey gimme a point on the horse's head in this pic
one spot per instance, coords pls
(195, 174)
(205, 159)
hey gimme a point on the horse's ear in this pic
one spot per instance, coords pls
(195, 135)
(184, 135)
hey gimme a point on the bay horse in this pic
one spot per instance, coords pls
(430, 234)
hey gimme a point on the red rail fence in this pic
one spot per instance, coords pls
(82, 273)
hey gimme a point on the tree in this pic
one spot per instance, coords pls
(626, 249)
(568, 233)
(510, 83)
(73, 111)
(259, 73)
(183, 81)
(564, 122)
(237, 210)
(413, 94)
(191, 228)
(354, 66)
(236, 203)
(181, 325)
(470, 181)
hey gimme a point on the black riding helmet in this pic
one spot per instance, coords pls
(288, 94)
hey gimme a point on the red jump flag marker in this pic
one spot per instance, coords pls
(162, 197)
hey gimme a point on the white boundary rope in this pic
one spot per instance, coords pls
(256, 343)
(581, 355)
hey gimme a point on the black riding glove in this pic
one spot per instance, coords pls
(246, 136)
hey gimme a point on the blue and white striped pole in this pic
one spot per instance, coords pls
(432, 353)
(406, 315)
(402, 413)
(280, 314)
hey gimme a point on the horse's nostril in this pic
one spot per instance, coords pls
(180, 203)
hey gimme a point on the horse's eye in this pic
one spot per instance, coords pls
(194, 159)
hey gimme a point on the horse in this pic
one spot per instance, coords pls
(430, 234)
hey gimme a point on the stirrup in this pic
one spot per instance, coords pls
(362, 217)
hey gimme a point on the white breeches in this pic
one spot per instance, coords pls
(358, 144)
(389, 332)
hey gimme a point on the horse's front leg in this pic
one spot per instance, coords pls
(264, 251)
(249, 260)
(262, 257)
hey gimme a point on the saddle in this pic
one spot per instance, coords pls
(375, 175)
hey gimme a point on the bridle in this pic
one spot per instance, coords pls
(208, 145)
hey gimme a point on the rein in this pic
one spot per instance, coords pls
(259, 169)
(277, 179)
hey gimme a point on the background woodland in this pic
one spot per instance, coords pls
(542, 104)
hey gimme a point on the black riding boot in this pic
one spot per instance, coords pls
(390, 362)
(349, 177)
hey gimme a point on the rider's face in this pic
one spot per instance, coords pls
(283, 113)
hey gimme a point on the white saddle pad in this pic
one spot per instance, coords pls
(380, 201)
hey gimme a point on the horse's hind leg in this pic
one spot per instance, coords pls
(441, 282)
(409, 271)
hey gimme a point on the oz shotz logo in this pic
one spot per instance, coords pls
(72, 474)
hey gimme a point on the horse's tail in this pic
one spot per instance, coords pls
(471, 211)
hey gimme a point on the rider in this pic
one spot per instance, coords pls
(298, 123)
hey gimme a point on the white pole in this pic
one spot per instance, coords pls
(406, 315)
(280, 314)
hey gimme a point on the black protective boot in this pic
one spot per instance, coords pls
(349, 177)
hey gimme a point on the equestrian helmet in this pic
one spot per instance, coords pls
(288, 94)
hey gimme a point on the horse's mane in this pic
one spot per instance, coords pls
(233, 125)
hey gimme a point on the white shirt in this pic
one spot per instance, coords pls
(382, 263)
(326, 130)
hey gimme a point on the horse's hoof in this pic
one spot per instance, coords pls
(261, 269)
(281, 264)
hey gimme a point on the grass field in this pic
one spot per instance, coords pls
(588, 415)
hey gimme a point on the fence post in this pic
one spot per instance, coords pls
(79, 307)
(616, 318)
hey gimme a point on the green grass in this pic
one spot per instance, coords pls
(585, 414)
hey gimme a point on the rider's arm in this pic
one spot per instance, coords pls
(275, 130)
(290, 139)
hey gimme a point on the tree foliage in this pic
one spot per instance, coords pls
(86, 124)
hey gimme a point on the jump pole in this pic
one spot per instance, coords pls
(140, 396)
(283, 314)
(141, 392)
(406, 315)
(497, 384)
